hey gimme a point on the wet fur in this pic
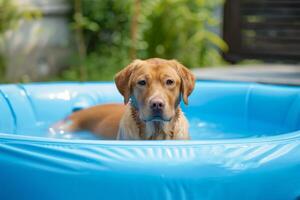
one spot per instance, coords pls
(129, 121)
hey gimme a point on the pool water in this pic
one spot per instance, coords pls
(215, 110)
(229, 128)
(201, 127)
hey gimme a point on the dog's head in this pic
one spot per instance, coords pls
(155, 87)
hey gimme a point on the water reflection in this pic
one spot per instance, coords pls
(204, 128)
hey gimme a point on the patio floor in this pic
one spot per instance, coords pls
(265, 73)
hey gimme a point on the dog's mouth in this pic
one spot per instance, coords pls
(157, 118)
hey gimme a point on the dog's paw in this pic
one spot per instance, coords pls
(61, 129)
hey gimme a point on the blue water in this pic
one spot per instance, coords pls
(228, 128)
(201, 128)
(215, 110)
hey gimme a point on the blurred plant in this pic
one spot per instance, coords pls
(134, 28)
(109, 33)
(182, 29)
(102, 38)
(81, 22)
(10, 15)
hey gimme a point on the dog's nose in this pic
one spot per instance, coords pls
(157, 104)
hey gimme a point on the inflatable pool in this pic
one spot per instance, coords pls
(245, 145)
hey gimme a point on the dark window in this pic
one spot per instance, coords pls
(262, 29)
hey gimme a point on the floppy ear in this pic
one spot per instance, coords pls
(122, 80)
(187, 80)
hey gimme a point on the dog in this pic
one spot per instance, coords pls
(152, 91)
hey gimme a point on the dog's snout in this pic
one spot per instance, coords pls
(157, 104)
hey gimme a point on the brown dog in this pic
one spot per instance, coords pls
(152, 91)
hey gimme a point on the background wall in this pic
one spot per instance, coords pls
(38, 47)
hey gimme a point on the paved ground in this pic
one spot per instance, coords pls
(266, 73)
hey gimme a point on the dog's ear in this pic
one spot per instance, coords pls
(187, 80)
(123, 80)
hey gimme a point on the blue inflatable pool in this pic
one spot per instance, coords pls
(245, 145)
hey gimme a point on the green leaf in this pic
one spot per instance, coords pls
(216, 40)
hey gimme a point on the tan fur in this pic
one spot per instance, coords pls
(177, 129)
(134, 121)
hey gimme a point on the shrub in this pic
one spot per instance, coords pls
(180, 29)
(10, 15)
(102, 29)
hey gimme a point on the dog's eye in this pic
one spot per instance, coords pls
(142, 82)
(169, 82)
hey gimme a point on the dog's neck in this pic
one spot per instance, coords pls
(155, 130)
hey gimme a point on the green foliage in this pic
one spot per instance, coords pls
(8, 19)
(105, 27)
(2, 68)
(98, 66)
(10, 15)
(179, 29)
(107, 24)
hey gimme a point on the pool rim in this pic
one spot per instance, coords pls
(280, 138)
